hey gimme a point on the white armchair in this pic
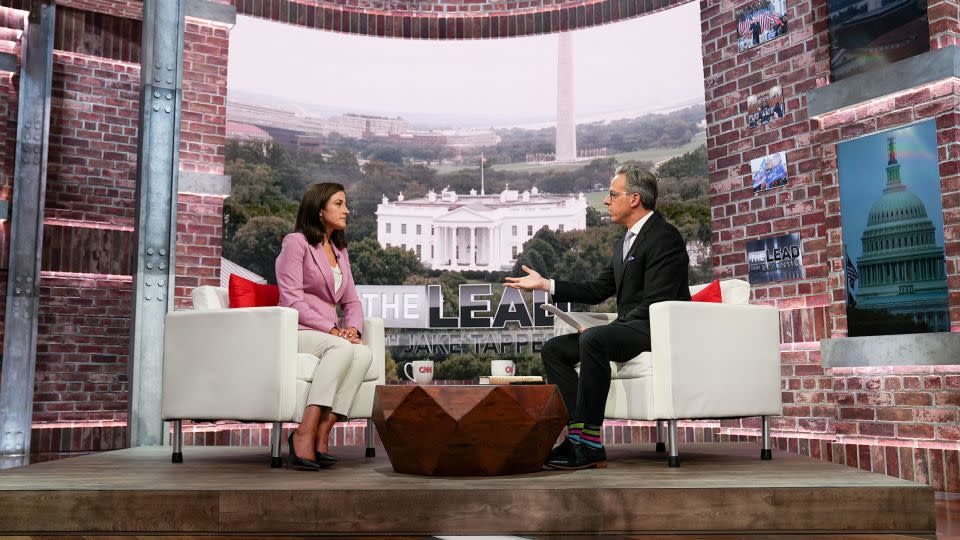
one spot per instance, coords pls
(707, 360)
(243, 364)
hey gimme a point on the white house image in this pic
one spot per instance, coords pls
(449, 231)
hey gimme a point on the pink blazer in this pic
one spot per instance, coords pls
(305, 279)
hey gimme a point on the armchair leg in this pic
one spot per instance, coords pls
(177, 441)
(368, 436)
(661, 447)
(674, 458)
(275, 460)
(766, 453)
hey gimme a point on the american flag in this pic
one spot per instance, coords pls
(767, 19)
(852, 274)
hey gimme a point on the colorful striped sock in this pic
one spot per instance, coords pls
(573, 431)
(590, 435)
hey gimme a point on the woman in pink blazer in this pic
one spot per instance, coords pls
(313, 273)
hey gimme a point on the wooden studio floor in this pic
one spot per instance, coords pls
(224, 491)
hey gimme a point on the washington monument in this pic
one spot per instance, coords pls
(566, 125)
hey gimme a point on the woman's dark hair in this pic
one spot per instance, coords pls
(308, 214)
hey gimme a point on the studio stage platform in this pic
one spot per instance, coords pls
(719, 487)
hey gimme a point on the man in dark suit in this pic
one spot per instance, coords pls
(649, 266)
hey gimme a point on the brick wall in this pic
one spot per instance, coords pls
(199, 236)
(82, 347)
(449, 19)
(203, 126)
(944, 17)
(92, 171)
(85, 295)
(915, 403)
(900, 421)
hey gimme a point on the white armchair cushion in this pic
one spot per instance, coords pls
(207, 297)
(638, 366)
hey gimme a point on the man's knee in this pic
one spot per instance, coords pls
(550, 350)
(553, 350)
(593, 338)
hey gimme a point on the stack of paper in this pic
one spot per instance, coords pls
(507, 379)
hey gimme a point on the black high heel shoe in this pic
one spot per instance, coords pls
(326, 460)
(295, 461)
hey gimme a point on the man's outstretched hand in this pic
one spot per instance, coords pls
(532, 281)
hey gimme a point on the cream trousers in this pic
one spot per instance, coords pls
(339, 373)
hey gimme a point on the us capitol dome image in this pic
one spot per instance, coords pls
(902, 268)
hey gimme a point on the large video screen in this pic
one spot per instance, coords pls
(462, 161)
(867, 34)
(892, 217)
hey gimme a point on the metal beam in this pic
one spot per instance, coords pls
(161, 75)
(26, 231)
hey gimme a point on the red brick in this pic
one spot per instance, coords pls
(876, 429)
(913, 398)
(948, 433)
(857, 413)
(947, 398)
(896, 414)
(915, 431)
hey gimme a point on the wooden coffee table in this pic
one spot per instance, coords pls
(468, 430)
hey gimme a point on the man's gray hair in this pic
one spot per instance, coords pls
(640, 180)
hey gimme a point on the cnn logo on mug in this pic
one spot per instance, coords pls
(420, 371)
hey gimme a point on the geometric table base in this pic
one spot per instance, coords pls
(468, 430)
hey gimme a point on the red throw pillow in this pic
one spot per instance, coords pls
(710, 293)
(246, 293)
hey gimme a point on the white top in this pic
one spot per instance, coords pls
(337, 278)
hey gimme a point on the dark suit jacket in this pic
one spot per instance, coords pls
(655, 270)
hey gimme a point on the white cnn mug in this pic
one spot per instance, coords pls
(499, 368)
(422, 371)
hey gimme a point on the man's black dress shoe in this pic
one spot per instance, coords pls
(295, 461)
(580, 456)
(561, 449)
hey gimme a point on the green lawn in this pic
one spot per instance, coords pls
(595, 199)
(656, 155)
